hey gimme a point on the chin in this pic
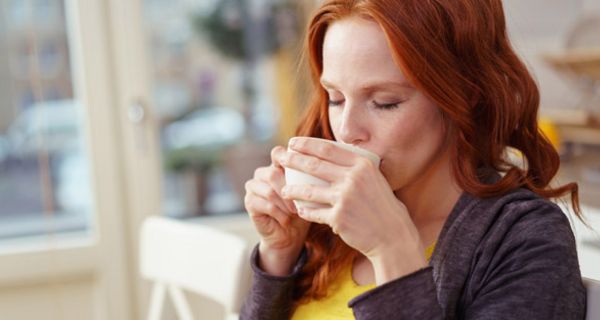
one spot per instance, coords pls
(394, 181)
(387, 175)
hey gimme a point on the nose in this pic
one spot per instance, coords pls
(353, 128)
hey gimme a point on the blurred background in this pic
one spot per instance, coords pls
(115, 110)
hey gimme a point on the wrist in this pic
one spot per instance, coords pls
(277, 261)
(393, 263)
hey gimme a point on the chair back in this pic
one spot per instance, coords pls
(197, 258)
(593, 299)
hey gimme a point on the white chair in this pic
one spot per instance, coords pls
(179, 256)
(593, 299)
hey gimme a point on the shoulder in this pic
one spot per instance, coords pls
(508, 248)
(511, 231)
(522, 215)
(527, 232)
(519, 214)
(526, 250)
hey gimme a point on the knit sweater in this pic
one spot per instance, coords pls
(508, 257)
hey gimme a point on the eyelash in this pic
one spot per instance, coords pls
(332, 103)
(384, 106)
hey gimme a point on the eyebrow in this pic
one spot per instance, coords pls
(373, 86)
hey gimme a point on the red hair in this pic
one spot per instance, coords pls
(459, 55)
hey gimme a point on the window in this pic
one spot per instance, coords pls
(18, 11)
(44, 178)
(216, 74)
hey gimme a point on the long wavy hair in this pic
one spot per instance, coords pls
(456, 52)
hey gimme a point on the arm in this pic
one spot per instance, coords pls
(270, 297)
(528, 270)
(410, 297)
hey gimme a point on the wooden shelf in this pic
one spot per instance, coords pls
(584, 62)
(580, 134)
(576, 125)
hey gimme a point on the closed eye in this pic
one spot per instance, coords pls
(386, 106)
(337, 103)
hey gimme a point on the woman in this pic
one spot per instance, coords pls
(446, 227)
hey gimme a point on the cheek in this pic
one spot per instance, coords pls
(335, 119)
(410, 133)
(424, 128)
(412, 145)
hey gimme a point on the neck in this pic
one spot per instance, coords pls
(432, 196)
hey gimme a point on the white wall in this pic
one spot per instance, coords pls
(538, 26)
(591, 5)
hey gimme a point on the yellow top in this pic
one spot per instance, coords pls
(341, 291)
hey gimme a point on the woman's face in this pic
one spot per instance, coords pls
(372, 105)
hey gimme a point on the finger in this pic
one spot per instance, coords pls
(323, 150)
(275, 177)
(258, 206)
(312, 165)
(264, 190)
(316, 215)
(276, 153)
(312, 193)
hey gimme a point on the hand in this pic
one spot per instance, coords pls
(281, 231)
(361, 207)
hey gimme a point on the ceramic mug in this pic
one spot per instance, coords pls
(295, 177)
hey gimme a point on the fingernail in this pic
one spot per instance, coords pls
(293, 142)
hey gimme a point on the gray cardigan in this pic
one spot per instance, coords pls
(508, 257)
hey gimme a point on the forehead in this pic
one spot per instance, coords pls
(356, 50)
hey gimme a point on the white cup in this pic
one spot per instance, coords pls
(294, 177)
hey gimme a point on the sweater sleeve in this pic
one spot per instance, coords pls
(528, 270)
(410, 297)
(270, 297)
